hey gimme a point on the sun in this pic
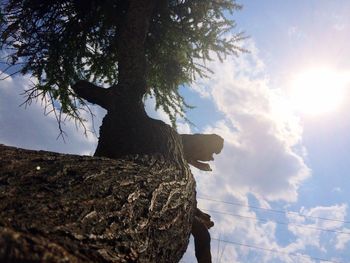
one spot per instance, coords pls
(317, 91)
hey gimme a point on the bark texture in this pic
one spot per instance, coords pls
(67, 208)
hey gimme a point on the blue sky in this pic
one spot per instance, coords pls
(276, 155)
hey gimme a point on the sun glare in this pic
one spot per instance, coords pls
(317, 91)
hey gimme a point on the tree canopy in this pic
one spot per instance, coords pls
(61, 42)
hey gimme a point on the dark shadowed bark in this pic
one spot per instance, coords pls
(67, 208)
(199, 148)
(126, 129)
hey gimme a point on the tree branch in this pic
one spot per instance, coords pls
(200, 226)
(201, 147)
(92, 93)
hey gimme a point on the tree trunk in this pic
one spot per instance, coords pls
(67, 208)
(126, 129)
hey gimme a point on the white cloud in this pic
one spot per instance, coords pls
(337, 190)
(295, 33)
(150, 103)
(340, 22)
(28, 127)
(263, 155)
(336, 212)
(313, 230)
(201, 88)
(342, 240)
(182, 125)
(261, 135)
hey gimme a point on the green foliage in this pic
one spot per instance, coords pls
(60, 42)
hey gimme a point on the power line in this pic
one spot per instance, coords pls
(275, 251)
(273, 210)
(277, 222)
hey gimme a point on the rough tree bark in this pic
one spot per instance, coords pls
(67, 208)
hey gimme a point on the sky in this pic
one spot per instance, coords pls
(279, 189)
